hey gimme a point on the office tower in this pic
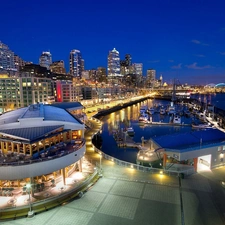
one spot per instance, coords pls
(58, 67)
(138, 68)
(75, 63)
(85, 74)
(45, 60)
(128, 60)
(113, 64)
(126, 66)
(93, 75)
(101, 74)
(151, 77)
(18, 62)
(6, 58)
(82, 65)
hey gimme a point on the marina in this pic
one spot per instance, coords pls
(117, 142)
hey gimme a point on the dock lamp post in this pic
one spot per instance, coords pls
(30, 213)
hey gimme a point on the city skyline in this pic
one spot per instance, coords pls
(182, 40)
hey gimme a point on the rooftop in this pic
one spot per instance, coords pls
(187, 141)
(47, 112)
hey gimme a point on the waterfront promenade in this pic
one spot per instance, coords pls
(126, 196)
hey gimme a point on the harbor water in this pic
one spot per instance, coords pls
(128, 117)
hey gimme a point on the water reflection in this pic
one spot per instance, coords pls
(129, 117)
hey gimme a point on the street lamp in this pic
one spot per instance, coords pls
(30, 213)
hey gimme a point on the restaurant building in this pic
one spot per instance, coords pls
(39, 143)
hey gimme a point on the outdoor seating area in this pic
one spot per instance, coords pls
(6, 191)
(58, 150)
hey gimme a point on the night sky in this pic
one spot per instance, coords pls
(181, 39)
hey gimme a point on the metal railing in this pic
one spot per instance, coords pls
(188, 171)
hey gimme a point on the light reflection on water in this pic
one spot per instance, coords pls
(129, 117)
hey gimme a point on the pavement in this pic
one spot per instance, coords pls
(124, 196)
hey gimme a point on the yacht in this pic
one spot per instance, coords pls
(143, 118)
(201, 125)
(177, 119)
(201, 116)
(130, 131)
(171, 109)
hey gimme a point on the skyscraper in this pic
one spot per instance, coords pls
(58, 67)
(138, 67)
(113, 64)
(45, 60)
(18, 62)
(76, 63)
(151, 77)
(6, 58)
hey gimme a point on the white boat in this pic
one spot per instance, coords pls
(202, 117)
(130, 131)
(177, 119)
(143, 109)
(143, 118)
(201, 125)
(171, 109)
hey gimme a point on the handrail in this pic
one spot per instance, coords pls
(30, 160)
(137, 166)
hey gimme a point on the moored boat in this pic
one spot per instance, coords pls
(177, 119)
(143, 118)
(130, 131)
(201, 125)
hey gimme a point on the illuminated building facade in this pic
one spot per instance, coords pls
(45, 60)
(76, 63)
(40, 142)
(113, 64)
(23, 91)
(58, 67)
(6, 58)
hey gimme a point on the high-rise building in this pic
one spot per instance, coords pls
(58, 67)
(6, 58)
(101, 74)
(82, 65)
(45, 60)
(151, 77)
(113, 64)
(76, 63)
(138, 67)
(18, 62)
(126, 66)
(128, 59)
(93, 75)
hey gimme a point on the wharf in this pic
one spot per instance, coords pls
(124, 140)
(166, 124)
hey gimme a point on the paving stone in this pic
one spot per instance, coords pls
(127, 188)
(90, 201)
(119, 206)
(162, 194)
